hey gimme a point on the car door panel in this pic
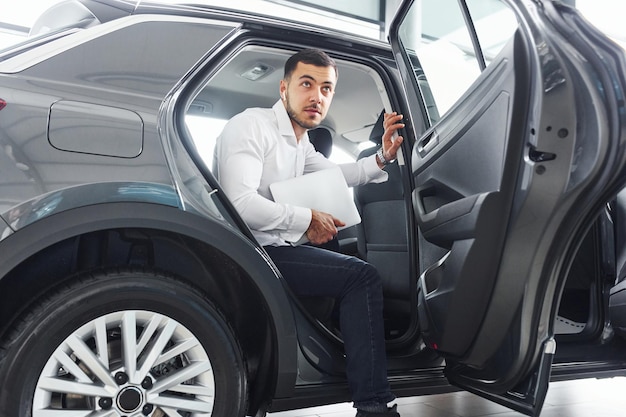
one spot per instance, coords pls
(506, 182)
(459, 208)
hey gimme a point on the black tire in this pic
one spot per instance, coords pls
(205, 373)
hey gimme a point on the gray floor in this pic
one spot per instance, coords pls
(583, 398)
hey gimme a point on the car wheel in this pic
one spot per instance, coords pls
(123, 343)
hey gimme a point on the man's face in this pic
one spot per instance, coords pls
(307, 95)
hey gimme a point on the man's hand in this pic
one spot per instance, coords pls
(323, 227)
(391, 123)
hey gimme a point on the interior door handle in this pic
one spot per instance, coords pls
(450, 220)
(443, 214)
(427, 143)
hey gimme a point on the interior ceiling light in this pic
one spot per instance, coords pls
(259, 70)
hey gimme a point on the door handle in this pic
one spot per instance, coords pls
(450, 219)
(427, 143)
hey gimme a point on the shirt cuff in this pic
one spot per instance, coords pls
(299, 225)
(373, 171)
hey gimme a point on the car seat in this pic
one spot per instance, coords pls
(322, 140)
(382, 233)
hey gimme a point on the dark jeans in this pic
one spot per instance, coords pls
(312, 271)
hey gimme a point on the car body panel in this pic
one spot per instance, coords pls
(34, 210)
(6, 229)
(125, 91)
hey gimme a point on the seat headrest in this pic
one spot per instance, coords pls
(376, 135)
(322, 140)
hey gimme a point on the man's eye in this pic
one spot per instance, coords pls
(306, 84)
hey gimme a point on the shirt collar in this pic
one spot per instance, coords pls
(284, 122)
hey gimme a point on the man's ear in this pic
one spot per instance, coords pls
(282, 89)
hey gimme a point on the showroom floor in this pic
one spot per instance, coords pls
(583, 398)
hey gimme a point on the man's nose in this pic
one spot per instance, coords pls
(316, 96)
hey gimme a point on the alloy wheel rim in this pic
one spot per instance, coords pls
(127, 363)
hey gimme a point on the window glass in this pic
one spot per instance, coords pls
(204, 131)
(494, 24)
(437, 40)
(339, 156)
(434, 32)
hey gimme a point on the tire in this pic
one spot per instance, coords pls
(70, 352)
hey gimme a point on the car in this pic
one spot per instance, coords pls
(129, 284)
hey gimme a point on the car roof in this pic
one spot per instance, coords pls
(249, 11)
(301, 15)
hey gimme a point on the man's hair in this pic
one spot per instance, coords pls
(311, 56)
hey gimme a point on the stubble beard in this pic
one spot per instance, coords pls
(306, 124)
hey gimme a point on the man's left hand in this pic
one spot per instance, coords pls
(391, 123)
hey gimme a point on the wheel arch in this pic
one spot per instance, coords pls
(237, 276)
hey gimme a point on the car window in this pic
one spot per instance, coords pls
(339, 156)
(204, 131)
(438, 39)
(250, 78)
(494, 23)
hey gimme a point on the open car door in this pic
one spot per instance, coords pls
(518, 111)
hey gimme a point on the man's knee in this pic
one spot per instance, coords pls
(368, 275)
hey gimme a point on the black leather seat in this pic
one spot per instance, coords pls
(382, 233)
(321, 307)
(322, 140)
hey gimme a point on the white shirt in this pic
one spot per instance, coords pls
(259, 147)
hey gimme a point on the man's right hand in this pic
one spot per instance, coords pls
(323, 227)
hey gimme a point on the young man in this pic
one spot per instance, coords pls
(261, 146)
